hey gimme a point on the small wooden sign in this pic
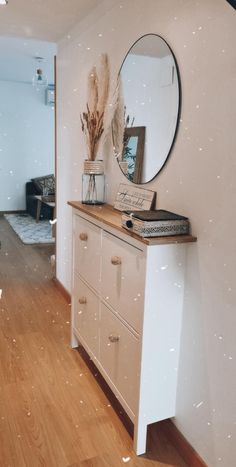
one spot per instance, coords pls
(130, 198)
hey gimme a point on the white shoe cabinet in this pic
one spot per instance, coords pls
(127, 302)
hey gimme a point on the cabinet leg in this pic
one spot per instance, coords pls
(140, 438)
(39, 204)
(74, 341)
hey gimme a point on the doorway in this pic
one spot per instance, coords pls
(27, 136)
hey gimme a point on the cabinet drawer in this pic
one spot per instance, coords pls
(123, 278)
(119, 356)
(87, 251)
(86, 315)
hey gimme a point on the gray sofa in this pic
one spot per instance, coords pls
(38, 186)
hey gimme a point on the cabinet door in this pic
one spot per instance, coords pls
(86, 316)
(123, 278)
(87, 251)
(119, 356)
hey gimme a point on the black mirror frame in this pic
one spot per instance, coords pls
(180, 101)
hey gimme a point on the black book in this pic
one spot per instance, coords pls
(156, 215)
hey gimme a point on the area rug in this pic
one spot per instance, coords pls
(28, 230)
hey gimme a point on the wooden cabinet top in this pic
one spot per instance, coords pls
(107, 215)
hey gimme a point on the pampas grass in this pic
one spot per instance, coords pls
(120, 122)
(104, 85)
(93, 90)
(93, 120)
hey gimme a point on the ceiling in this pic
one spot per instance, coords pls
(17, 58)
(47, 20)
(30, 28)
(151, 45)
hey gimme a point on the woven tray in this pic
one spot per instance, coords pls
(160, 223)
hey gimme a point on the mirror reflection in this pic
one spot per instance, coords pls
(151, 100)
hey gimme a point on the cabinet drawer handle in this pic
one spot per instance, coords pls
(113, 338)
(83, 236)
(115, 260)
(82, 300)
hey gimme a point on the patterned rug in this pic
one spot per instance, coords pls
(28, 230)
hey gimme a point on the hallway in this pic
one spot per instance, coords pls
(52, 411)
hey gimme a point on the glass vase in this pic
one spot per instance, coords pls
(93, 183)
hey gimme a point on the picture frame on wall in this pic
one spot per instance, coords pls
(133, 153)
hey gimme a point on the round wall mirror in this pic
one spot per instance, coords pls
(150, 102)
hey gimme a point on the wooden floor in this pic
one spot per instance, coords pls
(52, 410)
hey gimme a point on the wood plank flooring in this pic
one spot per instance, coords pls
(53, 412)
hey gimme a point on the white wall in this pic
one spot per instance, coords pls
(26, 141)
(198, 181)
